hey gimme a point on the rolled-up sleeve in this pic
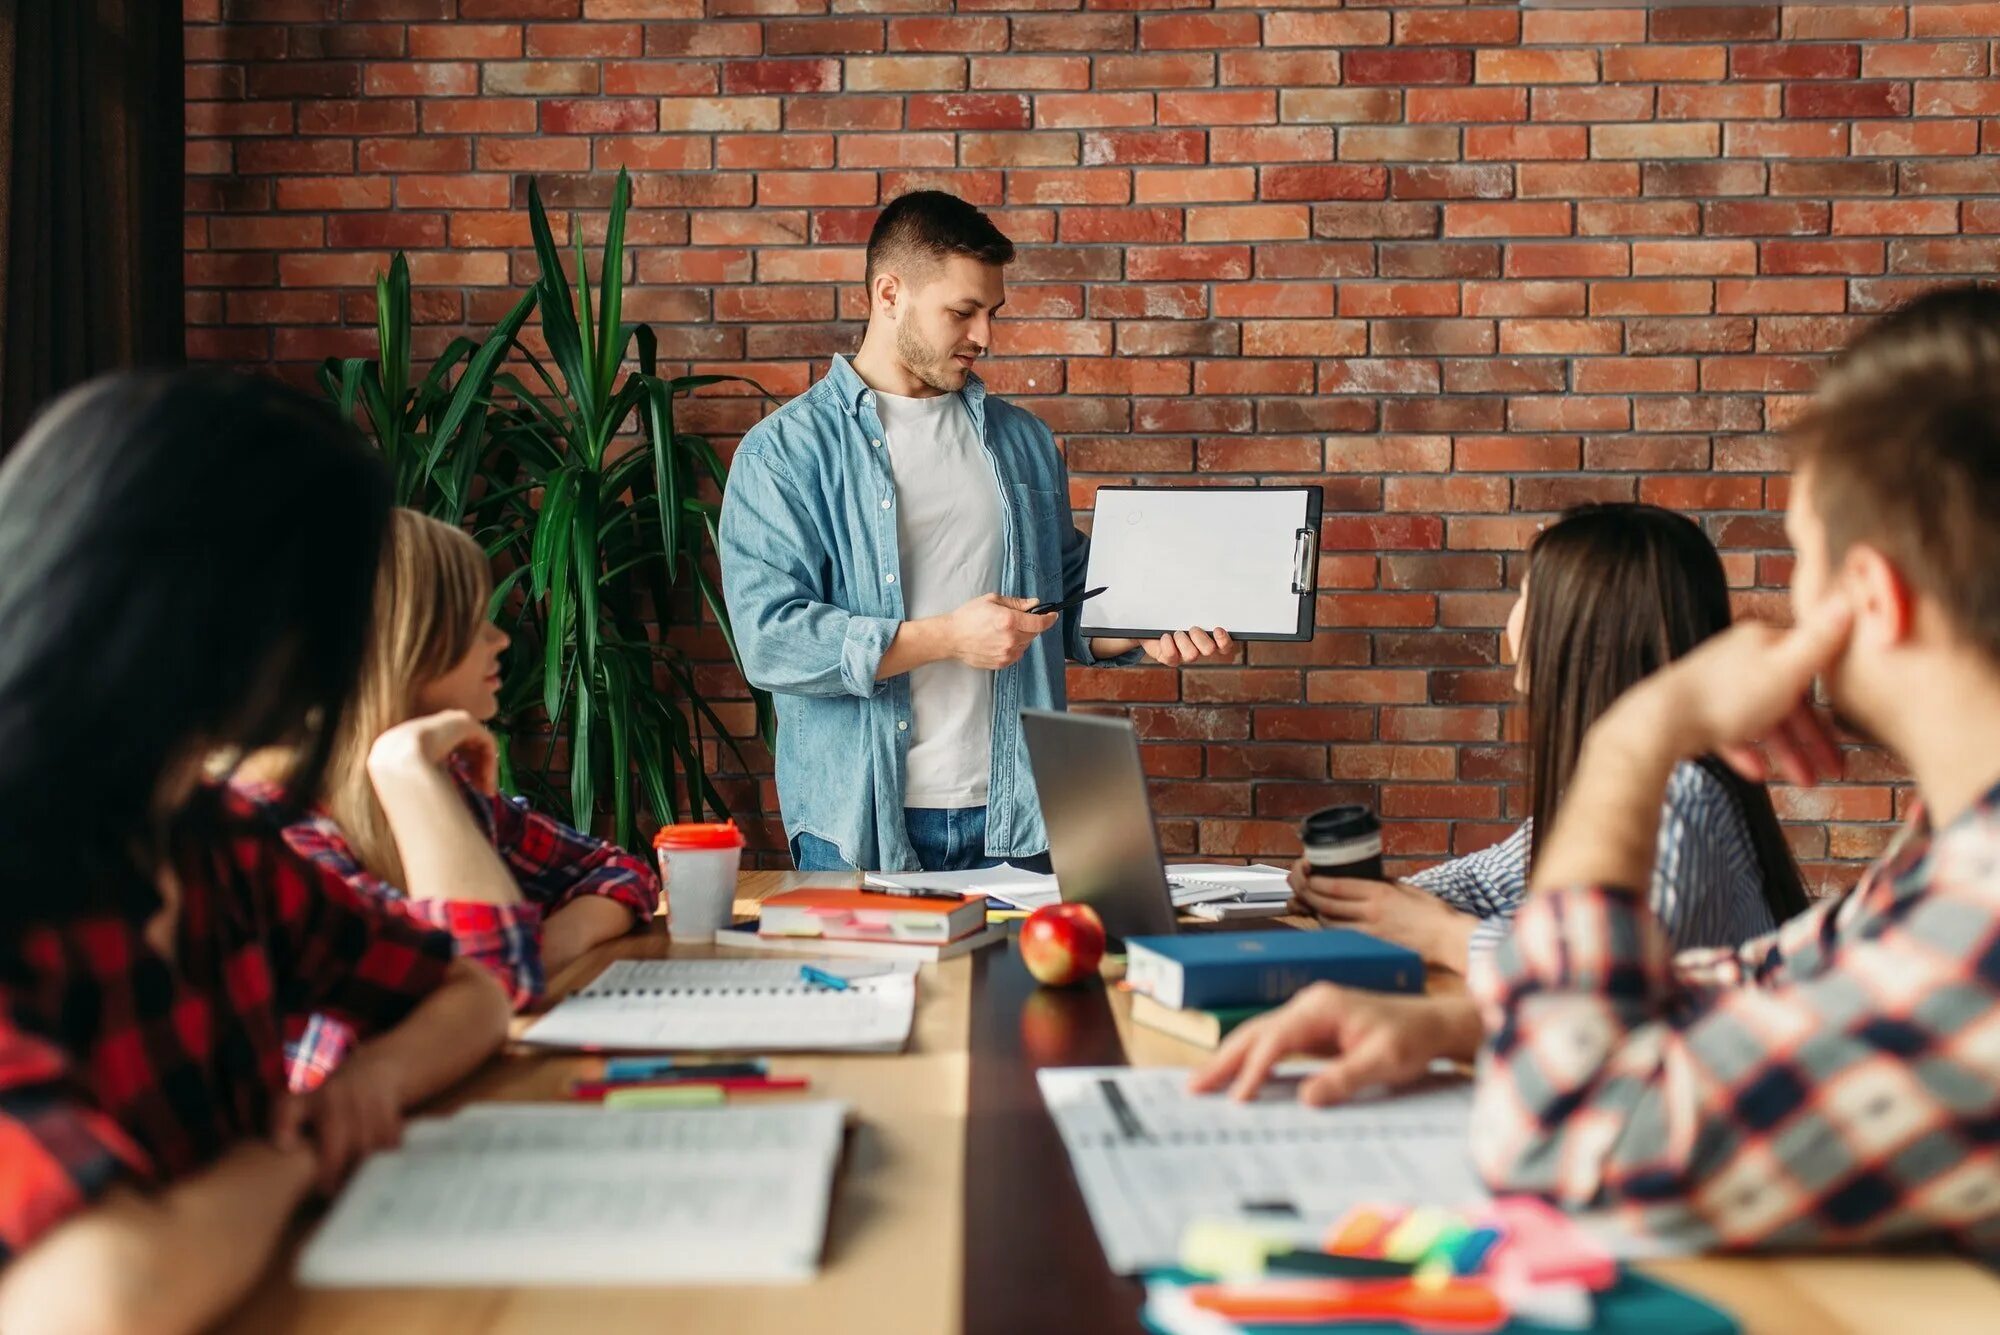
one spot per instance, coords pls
(791, 640)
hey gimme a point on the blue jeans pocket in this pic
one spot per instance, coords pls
(812, 853)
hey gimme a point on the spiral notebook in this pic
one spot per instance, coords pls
(1152, 1158)
(735, 1005)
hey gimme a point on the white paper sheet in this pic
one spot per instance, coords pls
(1187, 883)
(530, 1194)
(1011, 885)
(1252, 883)
(1152, 1158)
(735, 1005)
(1174, 558)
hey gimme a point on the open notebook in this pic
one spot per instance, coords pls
(1152, 1158)
(734, 1005)
(518, 1194)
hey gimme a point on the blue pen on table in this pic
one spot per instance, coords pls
(822, 978)
(623, 1069)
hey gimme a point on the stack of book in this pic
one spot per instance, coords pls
(871, 924)
(1198, 986)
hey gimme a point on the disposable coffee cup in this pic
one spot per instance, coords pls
(1343, 841)
(698, 865)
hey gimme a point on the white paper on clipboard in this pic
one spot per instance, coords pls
(1171, 558)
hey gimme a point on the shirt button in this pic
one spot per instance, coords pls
(886, 503)
(876, 443)
(888, 579)
(902, 725)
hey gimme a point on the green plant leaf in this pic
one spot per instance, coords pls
(550, 552)
(502, 587)
(556, 392)
(559, 326)
(474, 385)
(582, 757)
(557, 667)
(590, 392)
(611, 285)
(341, 379)
(530, 403)
(392, 327)
(684, 674)
(432, 387)
(655, 775)
(618, 725)
(583, 546)
(667, 471)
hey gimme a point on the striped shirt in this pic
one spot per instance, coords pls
(1708, 887)
(1836, 1082)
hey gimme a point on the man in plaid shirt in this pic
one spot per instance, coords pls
(1838, 1081)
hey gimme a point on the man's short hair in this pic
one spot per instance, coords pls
(1902, 451)
(919, 231)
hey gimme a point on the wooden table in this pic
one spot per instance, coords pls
(956, 1211)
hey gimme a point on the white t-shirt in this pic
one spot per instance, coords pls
(951, 535)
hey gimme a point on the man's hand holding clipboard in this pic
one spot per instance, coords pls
(1172, 650)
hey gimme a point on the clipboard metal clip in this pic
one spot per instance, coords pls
(1305, 553)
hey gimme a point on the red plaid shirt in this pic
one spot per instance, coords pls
(553, 864)
(118, 1063)
(1836, 1082)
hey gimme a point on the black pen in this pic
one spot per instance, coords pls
(907, 892)
(1043, 609)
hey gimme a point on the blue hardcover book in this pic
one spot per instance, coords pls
(1205, 970)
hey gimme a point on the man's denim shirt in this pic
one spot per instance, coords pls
(813, 578)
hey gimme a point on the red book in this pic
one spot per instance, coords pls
(856, 915)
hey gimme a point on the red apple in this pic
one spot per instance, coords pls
(1062, 944)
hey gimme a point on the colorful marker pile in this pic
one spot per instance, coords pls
(1515, 1264)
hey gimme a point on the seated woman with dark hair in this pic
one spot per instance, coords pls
(1612, 594)
(186, 565)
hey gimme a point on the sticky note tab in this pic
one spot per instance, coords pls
(1469, 1257)
(1409, 1240)
(1227, 1249)
(1360, 1234)
(677, 1096)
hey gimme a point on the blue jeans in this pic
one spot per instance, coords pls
(944, 839)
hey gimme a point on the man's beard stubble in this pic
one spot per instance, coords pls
(926, 363)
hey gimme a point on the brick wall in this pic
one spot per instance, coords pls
(1464, 265)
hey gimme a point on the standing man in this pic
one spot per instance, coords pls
(884, 536)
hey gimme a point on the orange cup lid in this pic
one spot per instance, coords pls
(691, 836)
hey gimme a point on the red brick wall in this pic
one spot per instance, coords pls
(1463, 264)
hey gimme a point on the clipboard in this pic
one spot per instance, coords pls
(1239, 557)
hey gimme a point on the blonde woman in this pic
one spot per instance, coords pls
(410, 812)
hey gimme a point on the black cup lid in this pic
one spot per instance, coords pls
(1334, 824)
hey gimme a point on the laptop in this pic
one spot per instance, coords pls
(1103, 842)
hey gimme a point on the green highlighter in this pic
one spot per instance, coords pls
(690, 1095)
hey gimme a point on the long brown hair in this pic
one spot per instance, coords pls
(1616, 592)
(431, 591)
